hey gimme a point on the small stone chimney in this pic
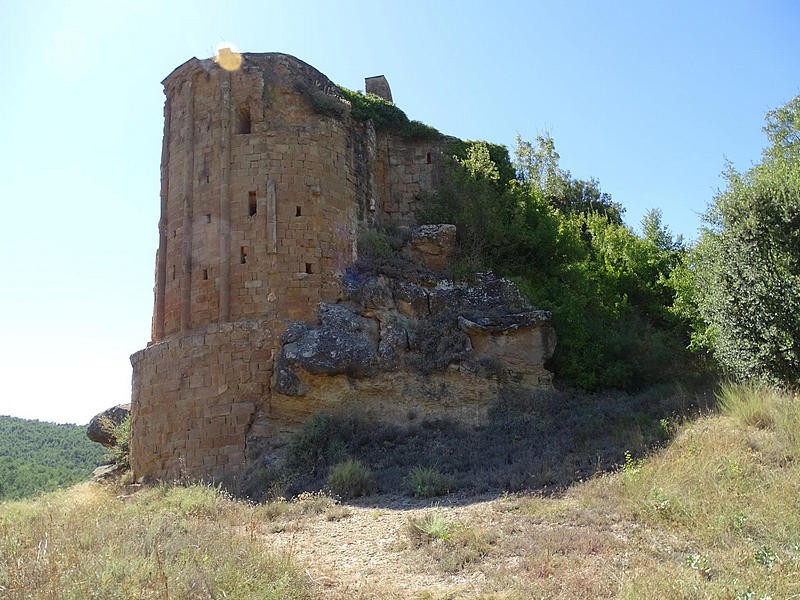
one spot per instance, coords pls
(379, 86)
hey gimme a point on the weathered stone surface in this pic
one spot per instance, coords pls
(432, 245)
(417, 331)
(394, 340)
(411, 299)
(379, 86)
(106, 472)
(376, 294)
(101, 427)
(489, 297)
(345, 342)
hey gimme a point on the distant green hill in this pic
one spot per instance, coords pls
(38, 457)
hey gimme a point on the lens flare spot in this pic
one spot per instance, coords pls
(228, 56)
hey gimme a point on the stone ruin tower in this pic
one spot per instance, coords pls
(266, 183)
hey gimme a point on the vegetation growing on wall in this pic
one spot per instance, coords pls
(386, 115)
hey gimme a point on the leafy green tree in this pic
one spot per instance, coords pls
(538, 171)
(747, 280)
(537, 165)
(783, 130)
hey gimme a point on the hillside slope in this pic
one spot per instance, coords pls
(40, 457)
(714, 514)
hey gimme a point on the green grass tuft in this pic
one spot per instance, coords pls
(426, 482)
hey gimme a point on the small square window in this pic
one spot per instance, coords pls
(308, 268)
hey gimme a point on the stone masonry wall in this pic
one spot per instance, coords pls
(194, 398)
(404, 169)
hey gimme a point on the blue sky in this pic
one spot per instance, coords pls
(648, 97)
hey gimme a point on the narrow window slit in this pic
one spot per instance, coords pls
(173, 272)
(243, 255)
(208, 217)
(308, 268)
(298, 212)
(243, 114)
(205, 274)
(428, 158)
(252, 204)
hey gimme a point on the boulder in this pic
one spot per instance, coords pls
(106, 471)
(432, 245)
(344, 343)
(101, 427)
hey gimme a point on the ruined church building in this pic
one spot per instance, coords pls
(264, 193)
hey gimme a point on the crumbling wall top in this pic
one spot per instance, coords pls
(379, 86)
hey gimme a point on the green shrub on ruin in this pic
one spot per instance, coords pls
(386, 116)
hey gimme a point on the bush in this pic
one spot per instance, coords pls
(322, 441)
(119, 453)
(349, 479)
(426, 482)
(373, 244)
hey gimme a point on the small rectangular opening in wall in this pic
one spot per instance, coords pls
(428, 158)
(243, 124)
(298, 211)
(252, 204)
(205, 274)
(243, 255)
(308, 268)
(173, 272)
(208, 217)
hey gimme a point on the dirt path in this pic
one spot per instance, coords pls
(364, 551)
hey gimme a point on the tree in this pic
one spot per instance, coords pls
(538, 171)
(747, 261)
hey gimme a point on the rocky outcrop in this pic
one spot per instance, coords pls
(101, 427)
(432, 245)
(405, 340)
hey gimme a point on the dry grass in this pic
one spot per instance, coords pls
(714, 514)
(164, 542)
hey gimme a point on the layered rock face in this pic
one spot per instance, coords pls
(394, 346)
(263, 312)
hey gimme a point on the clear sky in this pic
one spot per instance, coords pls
(648, 97)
